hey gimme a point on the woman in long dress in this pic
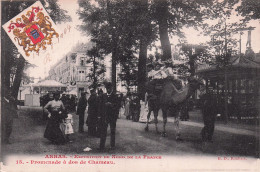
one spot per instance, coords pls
(56, 111)
(127, 107)
(144, 110)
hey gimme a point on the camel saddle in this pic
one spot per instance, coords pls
(155, 86)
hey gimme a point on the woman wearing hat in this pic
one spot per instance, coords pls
(56, 111)
(157, 73)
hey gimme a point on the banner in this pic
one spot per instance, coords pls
(32, 31)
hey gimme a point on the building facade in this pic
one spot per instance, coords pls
(73, 70)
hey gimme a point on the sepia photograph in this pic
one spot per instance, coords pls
(130, 85)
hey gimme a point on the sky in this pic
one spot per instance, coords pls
(70, 39)
(75, 36)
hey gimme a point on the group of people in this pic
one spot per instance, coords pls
(158, 70)
(103, 110)
(69, 101)
(132, 107)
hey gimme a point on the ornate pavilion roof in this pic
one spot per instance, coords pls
(236, 62)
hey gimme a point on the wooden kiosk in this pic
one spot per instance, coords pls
(242, 87)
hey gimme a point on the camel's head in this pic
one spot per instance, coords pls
(195, 82)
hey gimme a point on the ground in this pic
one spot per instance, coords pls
(232, 139)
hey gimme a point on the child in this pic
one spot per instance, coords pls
(67, 127)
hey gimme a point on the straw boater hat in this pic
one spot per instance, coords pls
(168, 62)
(158, 63)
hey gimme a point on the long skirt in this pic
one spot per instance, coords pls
(53, 132)
(144, 113)
(92, 123)
(127, 109)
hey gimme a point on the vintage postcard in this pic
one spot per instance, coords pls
(130, 85)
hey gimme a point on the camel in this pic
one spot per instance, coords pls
(170, 100)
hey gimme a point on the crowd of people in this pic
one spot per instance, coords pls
(69, 101)
(132, 106)
(102, 109)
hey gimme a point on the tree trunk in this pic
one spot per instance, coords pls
(192, 64)
(114, 57)
(18, 76)
(6, 54)
(192, 69)
(94, 73)
(141, 79)
(128, 85)
(114, 47)
(161, 11)
(5, 67)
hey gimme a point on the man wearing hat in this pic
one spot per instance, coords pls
(92, 113)
(209, 113)
(81, 107)
(108, 116)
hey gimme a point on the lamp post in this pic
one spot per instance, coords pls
(225, 77)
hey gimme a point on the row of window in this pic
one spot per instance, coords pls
(81, 71)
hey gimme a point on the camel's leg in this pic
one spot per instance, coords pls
(156, 119)
(177, 128)
(147, 122)
(164, 123)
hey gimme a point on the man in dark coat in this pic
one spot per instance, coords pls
(108, 116)
(81, 107)
(92, 113)
(73, 103)
(209, 113)
(63, 99)
(8, 113)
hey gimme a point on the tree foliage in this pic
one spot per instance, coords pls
(97, 66)
(128, 74)
(249, 9)
(115, 26)
(126, 28)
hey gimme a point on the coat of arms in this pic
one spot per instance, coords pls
(32, 30)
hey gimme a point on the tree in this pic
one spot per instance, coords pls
(143, 32)
(249, 9)
(223, 44)
(98, 68)
(172, 15)
(161, 15)
(9, 52)
(110, 25)
(124, 26)
(128, 75)
(194, 53)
